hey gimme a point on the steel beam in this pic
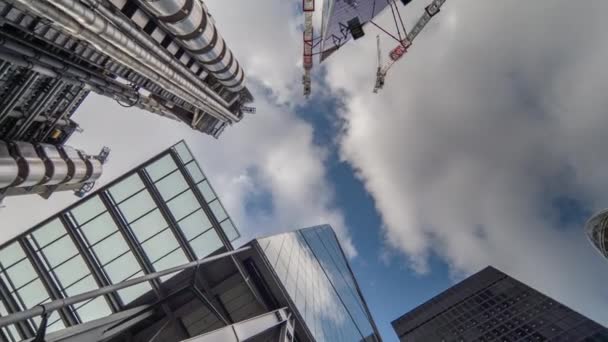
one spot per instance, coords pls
(62, 303)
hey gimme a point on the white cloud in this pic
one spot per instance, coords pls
(497, 109)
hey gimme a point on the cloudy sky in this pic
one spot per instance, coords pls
(486, 147)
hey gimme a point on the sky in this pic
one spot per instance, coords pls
(485, 147)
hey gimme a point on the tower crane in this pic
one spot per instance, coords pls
(309, 8)
(397, 53)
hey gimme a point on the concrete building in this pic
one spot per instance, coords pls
(491, 306)
(166, 57)
(597, 232)
(149, 257)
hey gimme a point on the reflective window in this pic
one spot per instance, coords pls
(319, 286)
(88, 210)
(148, 225)
(183, 205)
(161, 167)
(195, 172)
(194, 224)
(126, 188)
(171, 185)
(183, 151)
(137, 206)
(206, 191)
(206, 243)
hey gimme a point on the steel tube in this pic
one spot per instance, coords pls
(60, 303)
(96, 30)
(190, 23)
(150, 44)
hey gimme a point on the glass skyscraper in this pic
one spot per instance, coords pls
(313, 269)
(492, 306)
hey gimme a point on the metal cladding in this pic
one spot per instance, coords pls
(25, 165)
(191, 24)
(597, 231)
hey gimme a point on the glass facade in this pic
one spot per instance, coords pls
(312, 268)
(159, 215)
(491, 306)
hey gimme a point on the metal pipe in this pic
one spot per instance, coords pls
(95, 29)
(61, 303)
(39, 108)
(11, 100)
(70, 76)
(192, 26)
(150, 44)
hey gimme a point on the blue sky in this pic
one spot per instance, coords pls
(487, 146)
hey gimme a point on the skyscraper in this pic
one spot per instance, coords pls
(491, 306)
(597, 231)
(166, 57)
(150, 256)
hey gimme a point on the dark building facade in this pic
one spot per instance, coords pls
(492, 306)
(150, 257)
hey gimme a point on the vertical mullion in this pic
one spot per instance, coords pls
(214, 222)
(167, 215)
(23, 327)
(199, 196)
(130, 238)
(94, 268)
(66, 315)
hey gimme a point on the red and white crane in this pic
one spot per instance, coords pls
(309, 7)
(429, 12)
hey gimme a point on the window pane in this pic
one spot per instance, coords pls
(88, 210)
(206, 244)
(161, 167)
(171, 185)
(195, 171)
(94, 309)
(71, 271)
(59, 251)
(183, 152)
(122, 268)
(11, 254)
(148, 225)
(110, 248)
(126, 188)
(49, 232)
(183, 205)
(205, 189)
(176, 258)
(160, 245)
(218, 210)
(194, 224)
(229, 230)
(84, 285)
(130, 293)
(21, 273)
(33, 294)
(99, 228)
(137, 205)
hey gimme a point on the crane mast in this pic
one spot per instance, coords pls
(429, 12)
(309, 8)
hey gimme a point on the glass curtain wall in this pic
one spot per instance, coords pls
(160, 215)
(310, 265)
